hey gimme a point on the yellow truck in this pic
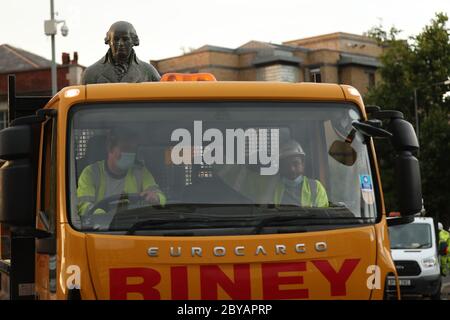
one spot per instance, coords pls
(221, 228)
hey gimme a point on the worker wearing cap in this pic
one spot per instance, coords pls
(119, 174)
(288, 187)
(444, 243)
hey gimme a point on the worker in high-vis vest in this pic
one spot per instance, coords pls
(118, 174)
(288, 187)
(444, 243)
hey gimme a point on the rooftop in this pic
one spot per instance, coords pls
(330, 36)
(15, 59)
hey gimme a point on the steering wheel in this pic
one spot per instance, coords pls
(107, 203)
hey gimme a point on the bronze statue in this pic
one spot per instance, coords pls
(120, 63)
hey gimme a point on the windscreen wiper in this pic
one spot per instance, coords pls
(186, 208)
(311, 217)
(189, 220)
(330, 212)
(158, 223)
(423, 245)
(176, 218)
(279, 219)
(184, 220)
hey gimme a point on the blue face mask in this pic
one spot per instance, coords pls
(126, 161)
(293, 183)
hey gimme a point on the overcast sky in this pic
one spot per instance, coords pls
(165, 26)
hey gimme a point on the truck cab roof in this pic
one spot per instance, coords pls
(205, 90)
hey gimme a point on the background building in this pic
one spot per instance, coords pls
(333, 58)
(33, 76)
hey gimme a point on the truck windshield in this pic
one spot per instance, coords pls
(218, 168)
(410, 236)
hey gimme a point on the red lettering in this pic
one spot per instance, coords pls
(119, 287)
(179, 279)
(337, 280)
(272, 280)
(212, 276)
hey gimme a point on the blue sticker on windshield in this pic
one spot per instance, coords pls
(365, 182)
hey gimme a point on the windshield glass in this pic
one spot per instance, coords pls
(410, 236)
(213, 168)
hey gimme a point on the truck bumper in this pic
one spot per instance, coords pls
(426, 285)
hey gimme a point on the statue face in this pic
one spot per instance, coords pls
(121, 44)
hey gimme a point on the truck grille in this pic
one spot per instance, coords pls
(407, 268)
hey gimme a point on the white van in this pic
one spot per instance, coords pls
(415, 253)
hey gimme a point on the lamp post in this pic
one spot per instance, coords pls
(50, 28)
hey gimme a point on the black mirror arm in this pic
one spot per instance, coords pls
(350, 137)
(370, 130)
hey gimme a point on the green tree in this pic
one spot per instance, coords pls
(382, 36)
(432, 64)
(435, 172)
(421, 63)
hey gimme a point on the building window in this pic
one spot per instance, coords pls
(315, 76)
(278, 72)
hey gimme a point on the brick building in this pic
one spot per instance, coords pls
(334, 58)
(33, 75)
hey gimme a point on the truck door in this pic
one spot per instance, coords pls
(46, 213)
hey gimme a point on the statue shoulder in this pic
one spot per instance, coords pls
(91, 73)
(150, 70)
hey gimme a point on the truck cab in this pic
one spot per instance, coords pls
(224, 230)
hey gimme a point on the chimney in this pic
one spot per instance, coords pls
(75, 58)
(65, 58)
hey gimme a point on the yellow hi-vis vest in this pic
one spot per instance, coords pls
(312, 194)
(444, 236)
(92, 184)
(270, 189)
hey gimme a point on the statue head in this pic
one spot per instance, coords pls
(121, 39)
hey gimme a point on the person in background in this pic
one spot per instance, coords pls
(444, 242)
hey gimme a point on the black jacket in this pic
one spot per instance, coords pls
(104, 71)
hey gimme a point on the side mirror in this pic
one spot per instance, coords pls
(404, 141)
(403, 135)
(15, 142)
(18, 175)
(409, 189)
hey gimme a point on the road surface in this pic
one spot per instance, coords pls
(445, 292)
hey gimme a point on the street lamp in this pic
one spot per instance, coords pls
(446, 82)
(50, 28)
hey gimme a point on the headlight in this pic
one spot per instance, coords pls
(429, 262)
